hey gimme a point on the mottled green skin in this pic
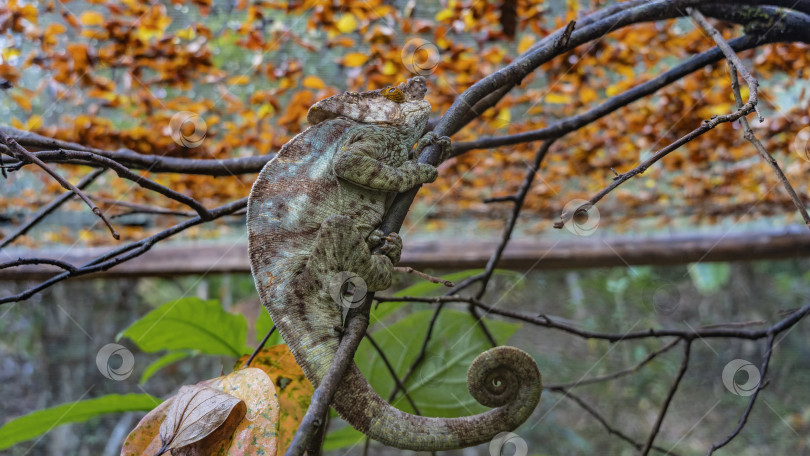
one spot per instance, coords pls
(312, 214)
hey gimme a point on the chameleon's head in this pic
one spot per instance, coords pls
(402, 105)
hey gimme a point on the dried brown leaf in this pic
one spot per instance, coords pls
(196, 413)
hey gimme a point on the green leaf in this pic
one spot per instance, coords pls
(190, 324)
(163, 361)
(439, 386)
(342, 438)
(40, 422)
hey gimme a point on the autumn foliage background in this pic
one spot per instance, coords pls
(111, 75)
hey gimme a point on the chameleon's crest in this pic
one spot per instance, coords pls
(402, 105)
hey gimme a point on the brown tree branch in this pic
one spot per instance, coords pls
(750, 137)
(23, 155)
(762, 383)
(50, 207)
(672, 389)
(123, 253)
(611, 430)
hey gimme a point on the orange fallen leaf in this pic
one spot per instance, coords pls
(294, 390)
(256, 433)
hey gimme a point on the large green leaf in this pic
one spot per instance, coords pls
(438, 387)
(42, 421)
(190, 324)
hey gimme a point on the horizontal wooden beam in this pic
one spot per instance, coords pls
(521, 254)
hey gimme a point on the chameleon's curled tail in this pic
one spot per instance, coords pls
(503, 377)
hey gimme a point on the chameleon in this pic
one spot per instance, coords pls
(313, 216)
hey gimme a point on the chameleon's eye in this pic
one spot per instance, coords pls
(393, 94)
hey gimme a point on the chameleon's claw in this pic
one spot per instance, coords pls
(392, 248)
(375, 238)
(430, 138)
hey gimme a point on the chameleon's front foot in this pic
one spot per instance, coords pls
(391, 244)
(443, 142)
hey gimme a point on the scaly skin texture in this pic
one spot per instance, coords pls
(312, 218)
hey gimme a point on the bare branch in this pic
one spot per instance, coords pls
(124, 253)
(546, 321)
(393, 373)
(731, 56)
(23, 155)
(124, 172)
(672, 389)
(750, 137)
(135, 160)
(422, 275)
(611, 430)
(618, 374)
(744, 418)
(50, 207)
(706, 126)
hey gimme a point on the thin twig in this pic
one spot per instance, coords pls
(124, 172)
(420, 274)
(393, 373)
(24, 261)
(422, 352)
(260, 346)
(672, 389)
(611, 430)
(731, 56)
(750, 137)
(518, 200)
(706, 126)
(50, 207)
(617, 374)
(24, 155)
(552, 322)
(744, 418)
(124, 253)
(136, 208)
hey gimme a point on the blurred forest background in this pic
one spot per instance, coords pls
(112, 76)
